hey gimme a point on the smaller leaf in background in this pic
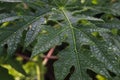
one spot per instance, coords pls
(13, 72)
(82, 1)
(95, 1)
(12, 42)
(100, 77)
(35, 70)
(4, 75)
(10, 36)
(16, 65)
(33, 31)
(28, 67)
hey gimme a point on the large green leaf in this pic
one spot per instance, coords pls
(49, 38)
(16, 65)
(75, 55)
(98, 58)
(85, 26)
(33, 31)
(12, 35)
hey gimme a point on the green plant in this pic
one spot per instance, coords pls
(86, 30)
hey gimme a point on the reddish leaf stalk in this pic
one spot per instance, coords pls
(51, 57)
(48, 56)
(23, 56)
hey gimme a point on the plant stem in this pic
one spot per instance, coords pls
(48, 55)
(40, 72)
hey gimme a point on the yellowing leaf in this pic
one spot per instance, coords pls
(100, 77)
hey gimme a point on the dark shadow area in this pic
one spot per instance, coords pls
(85, 46)
(62, 46)
(49, 75)
(72, 69)
(98, 15)
(111, 73)
(92, 74)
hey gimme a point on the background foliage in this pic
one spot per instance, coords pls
(85, 34)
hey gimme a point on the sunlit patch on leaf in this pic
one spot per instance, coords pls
(100, 77)
(95, 1)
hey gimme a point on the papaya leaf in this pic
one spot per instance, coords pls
(8, 17)
(16, 65)
(90, 28)
(74, 54)
(34, 30)
(14, 34)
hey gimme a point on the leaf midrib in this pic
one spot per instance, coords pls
(74, 39)
(94, 43)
